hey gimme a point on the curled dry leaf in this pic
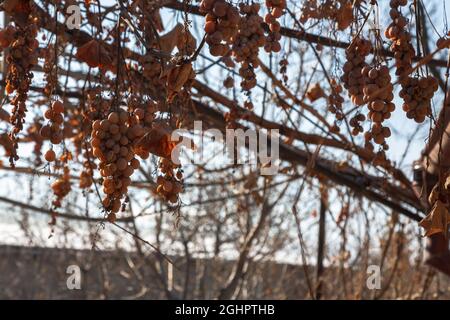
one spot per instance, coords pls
(95, 55)
(437, 220)
(178, 37)
(170, 40)
(157, 141)
(315, 92)
(177, 77)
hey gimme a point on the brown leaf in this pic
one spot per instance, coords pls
(169, 41)
(437, 220)
(177, 78)
(315, 92)
(157, 141)
(95, 55)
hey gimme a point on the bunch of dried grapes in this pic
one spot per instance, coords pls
(352, 78)
(112, 141)
(170, 183)
(222, 21)
(416, 94)
(53, 130)
(334, 104)
(276, 8)
(87, 174)
(50, 72)
(339, 11)
(97, 106)
(143, 111)
(151, 71)
(21, 58)
(246, 46)
(355, 123)
(401, 40)
(61, 187)
(378, 94)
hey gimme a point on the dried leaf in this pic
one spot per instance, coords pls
(157, 141)
(177, 78)
(315, 92)
(169, 41)
(437, 220)
(178, 37)
(95, 55)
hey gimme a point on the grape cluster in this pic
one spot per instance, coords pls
(21, 58)
(416, 91)
(401, 40)
(378, 93)
(112, 141)
(352, 77)
(222, 21)
(355, 123)
(144, 112)
(50, 70)
(275, 8)
(416, 94)
(61, 187)
(97, 107)
(334, 102)
(53, 130)
(87, 174)
(169, 184)
(339, 11)
(246, 46)
(151, 71)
